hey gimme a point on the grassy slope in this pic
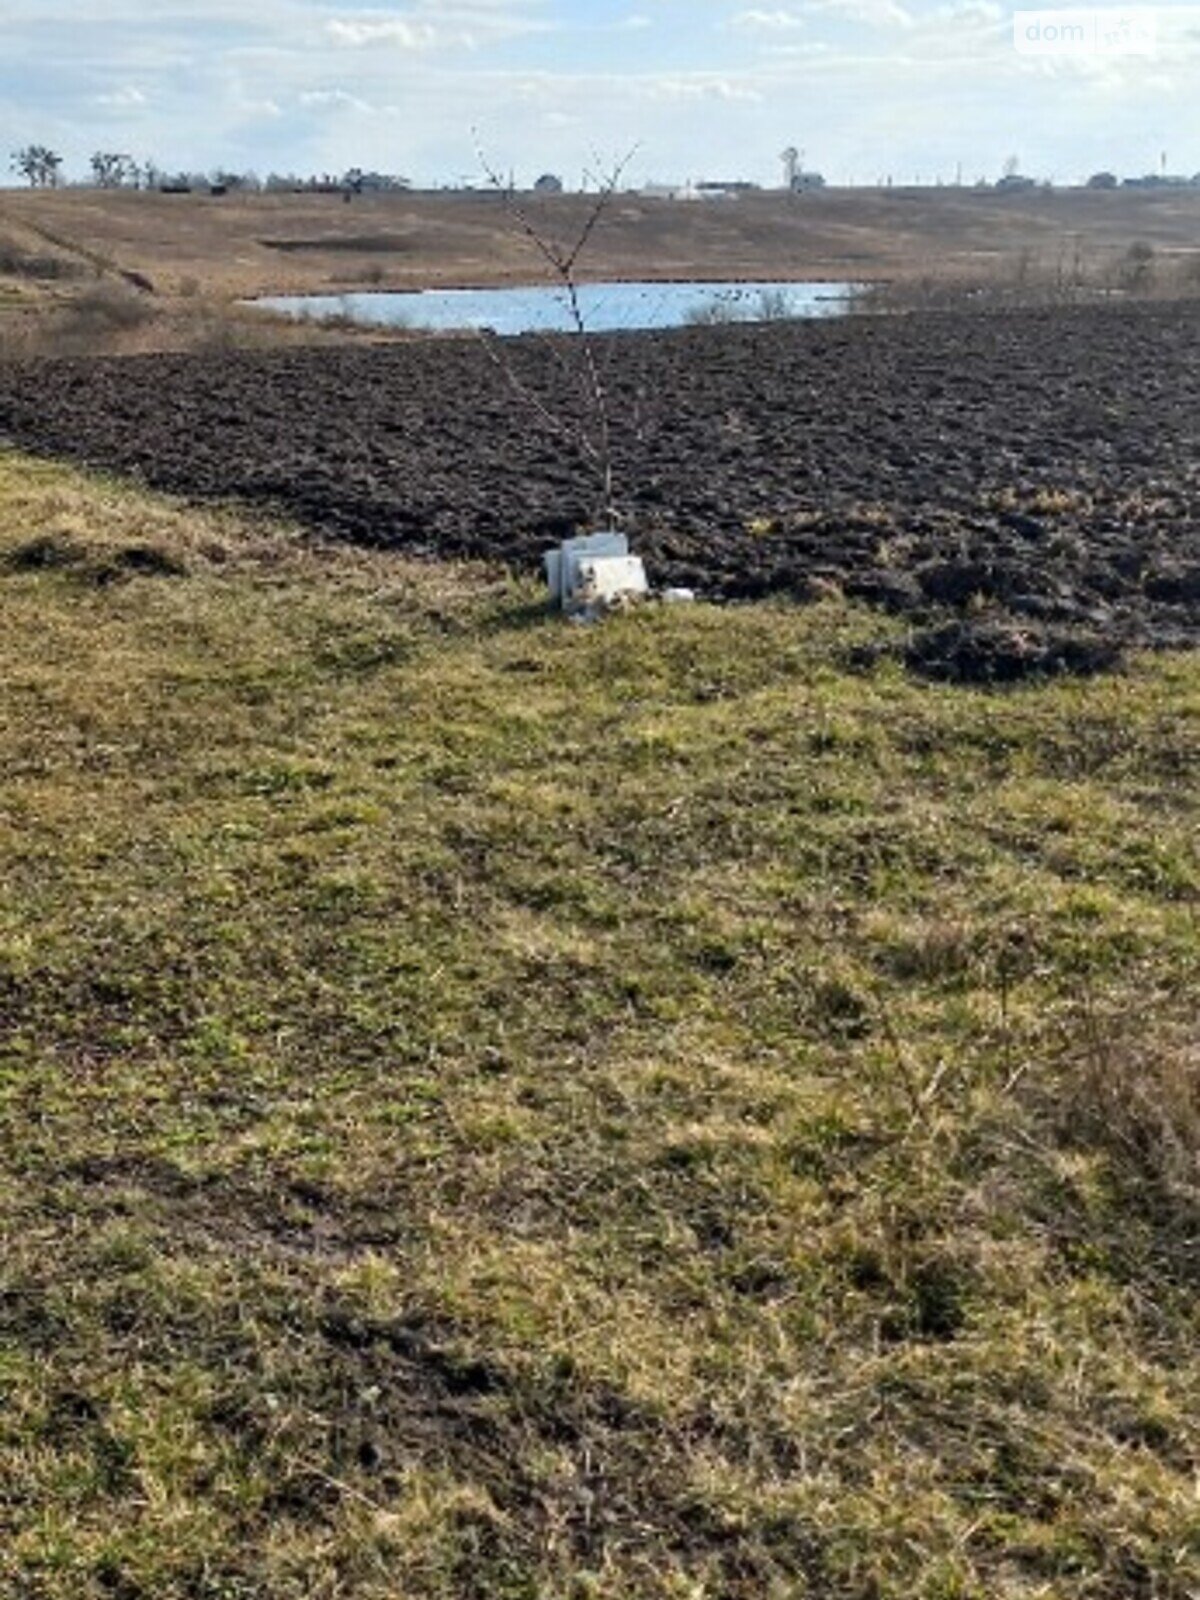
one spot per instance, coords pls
(496, 1109)
(231, 244)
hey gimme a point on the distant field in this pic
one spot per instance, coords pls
(293, 244)
(494, 1110)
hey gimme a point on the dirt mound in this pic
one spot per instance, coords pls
(1005, 652)
(1040, 468)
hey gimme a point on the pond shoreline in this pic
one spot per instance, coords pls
(608, 306)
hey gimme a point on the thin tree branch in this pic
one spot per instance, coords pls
(527, 397)
(562, 260)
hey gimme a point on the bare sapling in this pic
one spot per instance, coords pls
(593, 439)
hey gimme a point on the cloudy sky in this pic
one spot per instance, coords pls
(704, 88)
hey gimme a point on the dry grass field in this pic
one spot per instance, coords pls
(498, 1111)
(296, 244)
(200, 254)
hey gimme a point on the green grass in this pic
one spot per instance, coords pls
(492, 1108)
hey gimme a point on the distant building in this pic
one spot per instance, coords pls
(1159, 180)
(806, 182)
(669, 191)
(1015, 183)
(548, 183)
(710, 190)
(360, 182)
(1103, 180)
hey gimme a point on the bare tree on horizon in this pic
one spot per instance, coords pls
(38, 165)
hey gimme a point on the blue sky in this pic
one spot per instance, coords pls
(704, 88)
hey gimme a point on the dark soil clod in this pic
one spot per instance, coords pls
(148, 561)
(44, 553)
(1005, 652)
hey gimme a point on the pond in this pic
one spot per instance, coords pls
(606, 307)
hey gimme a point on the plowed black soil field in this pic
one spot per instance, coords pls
(1026, 487)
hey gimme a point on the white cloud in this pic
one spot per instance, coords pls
(427, 25)
(333, 100)
(123, 99)
(873, 13)
(697, 86)
(769, 22)
(398, 31)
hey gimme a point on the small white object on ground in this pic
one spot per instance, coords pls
(562, 565)
(604, 581)
(595, 574)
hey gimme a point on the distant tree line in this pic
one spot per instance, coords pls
(112, 170)
(42, 168)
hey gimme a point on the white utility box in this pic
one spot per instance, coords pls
(562, 565)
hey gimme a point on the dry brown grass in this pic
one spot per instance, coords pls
(1090, 271)
(1132, 1090)
(248, 245)
(110, 318)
